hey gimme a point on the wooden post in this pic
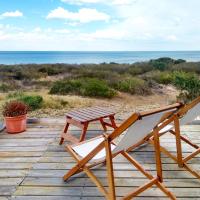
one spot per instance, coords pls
(158, 155)
(112, 119)
(85, 126)
(103, 124)
(64, 131)
(178, 141)
(109, 166)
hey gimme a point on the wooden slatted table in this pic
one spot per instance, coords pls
(82, 117)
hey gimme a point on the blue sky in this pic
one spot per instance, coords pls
(99, 25)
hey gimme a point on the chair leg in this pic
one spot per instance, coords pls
(109, 166)
(158, 155)
(193, 172)
(137, 165)
(149, 176)
(96, 181)
(64, 131)
(192, 155)
(186, 166)
(166, 191)
(140, 189)
(178, 142)
(185, 140)
(71, 172)
(154, 181)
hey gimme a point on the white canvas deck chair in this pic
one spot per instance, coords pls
(133, 132)
(184, 116)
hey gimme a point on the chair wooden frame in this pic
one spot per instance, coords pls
(83, 164)
(179, 158)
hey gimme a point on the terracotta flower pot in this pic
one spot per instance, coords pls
(15, 124)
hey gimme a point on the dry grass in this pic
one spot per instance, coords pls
(53, 105)
(124, 104)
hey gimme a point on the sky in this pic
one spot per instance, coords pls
(99, 25)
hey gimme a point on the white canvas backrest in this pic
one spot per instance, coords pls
(192, 114)
(138, 130)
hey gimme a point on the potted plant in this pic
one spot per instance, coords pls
(15, 115)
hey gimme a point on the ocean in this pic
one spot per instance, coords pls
(78, 57)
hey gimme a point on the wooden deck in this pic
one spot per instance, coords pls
(32, 165)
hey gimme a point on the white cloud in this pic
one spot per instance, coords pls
(156, 23)
(62, 31)
(123, 2)
(81, 1)
(171, 38)
(132, 25)
(84, 15)
(110, 2)
(11, 14)
(12, 38)
(107, 34)
(37, 29)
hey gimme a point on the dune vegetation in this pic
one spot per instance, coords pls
(46, 86)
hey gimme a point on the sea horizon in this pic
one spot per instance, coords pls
(91, 57)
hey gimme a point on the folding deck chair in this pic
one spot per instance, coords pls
(184, 116)
(133, 132)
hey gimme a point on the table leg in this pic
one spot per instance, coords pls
(64, 131)
(85, 126)
(112, 120)
(103, 124)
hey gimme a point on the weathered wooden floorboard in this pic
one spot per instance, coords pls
(32, 165)
(120, 182)
(10, 181)
(17, 154)
(84, 198)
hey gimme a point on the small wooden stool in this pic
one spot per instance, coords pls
(81, 118)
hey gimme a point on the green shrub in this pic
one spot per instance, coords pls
(139, 68)
(19, 75)
(5, 87)
(188, 67)
(179, 61)
(188, 83)
(135, 70)
(162, 63)
(85, 86)
(132, 86)
(34, 102)
(50, 71)
(96, 88)
(64, 87)
(162, 77)
(40, 84)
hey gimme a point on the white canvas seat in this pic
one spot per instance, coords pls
(190, 114)
(86, 147)
(137, 131)
(134, 131)
(167, 128)
(184, 116)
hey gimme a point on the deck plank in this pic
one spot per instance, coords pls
(32, 165)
